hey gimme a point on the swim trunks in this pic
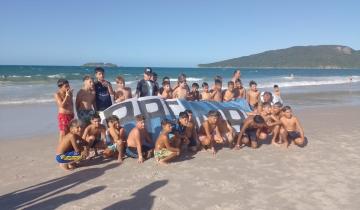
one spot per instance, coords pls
(85, 116)
(112, 147)
(251, 134)
(64, 120)
(68, 157)
(293, 134)
(96, 141)
(132, 151)
(161, 154)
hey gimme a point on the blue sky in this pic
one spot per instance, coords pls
(167, 33)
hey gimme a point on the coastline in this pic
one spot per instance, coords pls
(322, 175)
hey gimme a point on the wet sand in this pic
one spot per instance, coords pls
(325, 174)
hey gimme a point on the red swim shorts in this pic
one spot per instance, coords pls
(64, 120)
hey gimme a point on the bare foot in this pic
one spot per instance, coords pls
(237, 147)
(275, 144)
(71, 166)
(64, 166)
(163, 163)
(213, 151)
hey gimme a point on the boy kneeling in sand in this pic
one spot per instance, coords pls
(117, 138)
(164, 152)
(137, 135)
(291, 128)
(94, 134)
(226, 132)
(250, 131)
(71, 148)
(208, 130)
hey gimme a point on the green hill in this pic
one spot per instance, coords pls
(322, 56)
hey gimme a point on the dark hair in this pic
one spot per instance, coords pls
(87, 77)
(154, 74)
(99, 69)
(276, 86)
(217, 77)
(120, 78)
(256, 105)
(188, 111)
(213, 113)
(112, 118)
(195, 85)
(165, 79)
(139, 117)
(267, 93)
(165, 122)
(237, 70)
(258, 119)
(183, 115)
(252, 82)
(165, 83)
(278, 104)
(285, 108)
(181, 77)
(231, 83)
(217, 82)
(62, 82)
(74, 123)
(204, 84)
(266, 104)
(238, 80)
(95, 116)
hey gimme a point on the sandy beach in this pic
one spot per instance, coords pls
(325, 174)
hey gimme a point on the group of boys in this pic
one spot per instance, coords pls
(78, 137)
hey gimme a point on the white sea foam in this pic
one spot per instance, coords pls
(56, 76)
(188, 79)
(27, 101)
(315, 82)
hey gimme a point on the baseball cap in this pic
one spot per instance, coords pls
(148, 70)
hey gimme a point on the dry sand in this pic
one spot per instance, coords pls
(323, 175)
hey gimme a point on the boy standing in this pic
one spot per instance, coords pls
(103, 90)
(117, 137)
(122, 93)
(208, 130)
(191, 132)
(239, 89)
(164, 152)
(229, 93)
(181, 92)
(85, 101)
(64, 101)
(71, 148)
(205, 94)
(292, 129)
(137, 135)
(216, 92)
(253, 95)
(194, 94)
(94, 134)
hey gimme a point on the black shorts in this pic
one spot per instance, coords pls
(251, 134)
(132, 151)
(293, 135)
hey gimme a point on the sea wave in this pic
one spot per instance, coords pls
(317, 82)
(26, 101)
(56, 76)
(188, 79)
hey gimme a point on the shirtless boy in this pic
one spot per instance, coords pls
(216, 92)
(276, 113)
(122, 93)
(240, 91)
(291, 128)
(117, 138)
(181, 92)
(135, 147)
(64, 101)
(229, 93)
(253, 95)
(194, 94)
(273, 123)
(94, 134)
(250, 131)
(164, 152)
(166, 90)
(179, 130)
(72, 148)
(207, 131)
(85, 101)
(191, 131)
(205, 94)
(226, 131)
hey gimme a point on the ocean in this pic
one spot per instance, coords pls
(36, 84)
(27, 106)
